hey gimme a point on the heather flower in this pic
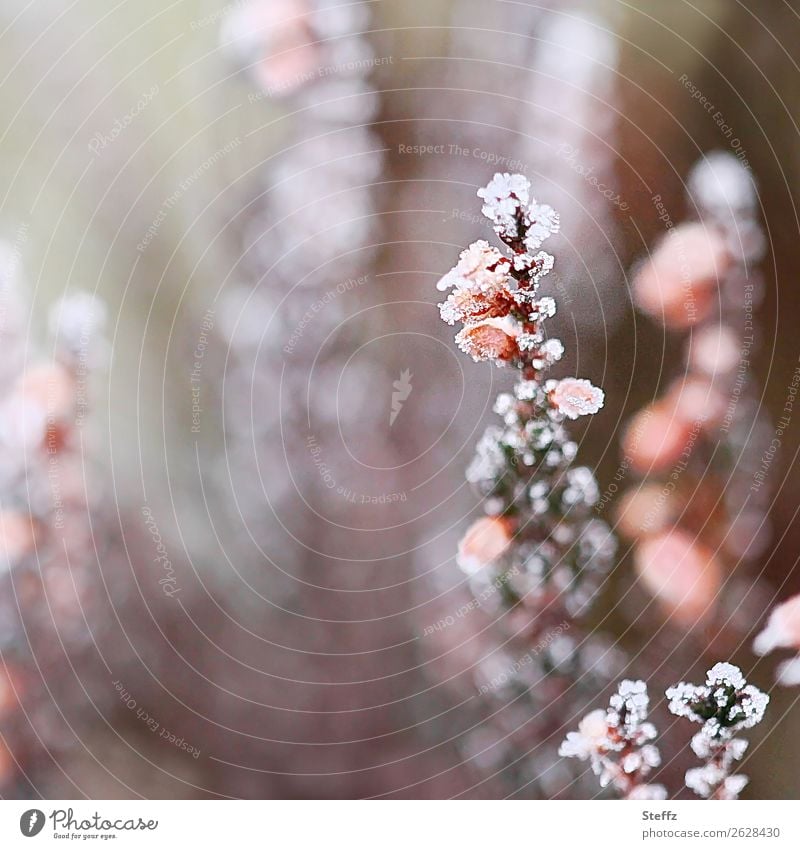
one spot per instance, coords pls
(480, 269)
(490, 339)
(709, 420)
(618, 742)
(726, 701)
(576, 397)
(275, 39)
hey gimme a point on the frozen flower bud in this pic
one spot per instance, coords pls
(503, 198)
(782, 629)
(590, 738)
(485, 541)
(576, 397)
(542, 222)
(678, 282)
(648, 793)
(681, 573)
(725, 703)
(722, 186)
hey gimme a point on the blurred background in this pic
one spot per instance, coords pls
(230, 521)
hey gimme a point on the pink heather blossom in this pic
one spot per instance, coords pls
(576, 397)
(782, 630)
(490, 339)
(695, 400)
(723, 706)
(618, 743)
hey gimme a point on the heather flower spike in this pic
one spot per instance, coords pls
(617, 742)
(555, 547)
(724, 705)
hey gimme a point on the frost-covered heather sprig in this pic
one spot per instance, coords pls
(539, 541)
(724, 705)
(539, 529)
(618, 743)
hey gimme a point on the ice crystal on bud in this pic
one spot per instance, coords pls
(725, 704)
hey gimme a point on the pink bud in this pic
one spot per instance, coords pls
(576, 397)
(656, 438)
(714, 350)
(490, 339)
(485, 541)
(682, 574)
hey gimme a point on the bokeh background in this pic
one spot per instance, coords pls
(263, 550)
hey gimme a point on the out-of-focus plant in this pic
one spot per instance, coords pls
(695, 515)
(50, 518)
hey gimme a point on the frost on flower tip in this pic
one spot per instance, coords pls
(724, 704)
